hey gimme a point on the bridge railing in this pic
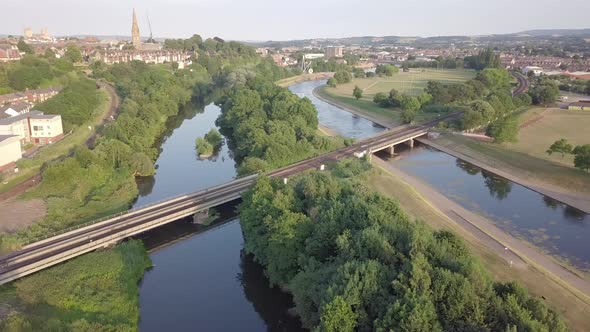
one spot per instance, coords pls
(125, 212)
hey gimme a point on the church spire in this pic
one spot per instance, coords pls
(135, 38)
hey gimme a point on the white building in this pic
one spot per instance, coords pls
(10, 151)
(536, 70)
(33, 127)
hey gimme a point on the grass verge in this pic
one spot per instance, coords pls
(574, 310)
(94, 292)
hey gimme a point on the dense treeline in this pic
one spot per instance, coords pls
(354, 261)
(31, 72)
(485, 99)
(74, 103)
(96, 182)
(269, 126)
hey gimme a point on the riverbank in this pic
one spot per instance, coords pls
(382, 120)
(488, 243)
(462, 148)
(286, 82)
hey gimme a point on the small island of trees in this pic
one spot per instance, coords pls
(207, 145)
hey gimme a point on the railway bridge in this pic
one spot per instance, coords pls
(57, 248)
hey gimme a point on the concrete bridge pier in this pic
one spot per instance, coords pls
(390, 150)
(410, 143)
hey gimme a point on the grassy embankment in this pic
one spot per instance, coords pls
(410, 83)
(28, 167)
(285, 82)
(98, 292)
(527, 158)
(573, 309)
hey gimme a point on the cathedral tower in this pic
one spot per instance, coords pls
(135, 38)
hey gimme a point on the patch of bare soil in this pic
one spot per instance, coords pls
(16, 214)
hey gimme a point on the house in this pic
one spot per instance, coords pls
(14, 109)
(9, 53)
(534, 69)
(10, 151)
(30, 96)
(11, 98)
(33, 127)
(582, 105)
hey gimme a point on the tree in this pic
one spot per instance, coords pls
(410, 103)
(357, 92)
(544, 93)
(381, 99)
(359, 72)
(49, 54)
(73, 53)
(332, 82)
(504, 130)
(395, 98)
(174, 65)
(386, 70)
(343, 76)
(24, 47)
(582, 157)
(338, 316)
(560, 146)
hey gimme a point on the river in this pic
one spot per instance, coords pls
(201, 279)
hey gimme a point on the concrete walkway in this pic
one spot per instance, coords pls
(503, 244)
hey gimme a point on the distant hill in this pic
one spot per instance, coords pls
(556, 32)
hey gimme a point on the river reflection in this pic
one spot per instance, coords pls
(344, 123)
(205, 282)
(557, 228)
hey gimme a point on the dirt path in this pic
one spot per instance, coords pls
(112, 113)
(517, 251)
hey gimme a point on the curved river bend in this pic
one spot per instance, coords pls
(201, 280)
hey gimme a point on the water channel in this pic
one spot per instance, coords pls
(201, 279)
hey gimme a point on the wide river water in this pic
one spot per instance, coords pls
(202, 280)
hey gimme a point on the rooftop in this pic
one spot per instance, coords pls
(6, 137)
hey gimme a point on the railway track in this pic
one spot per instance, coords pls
(88, 237)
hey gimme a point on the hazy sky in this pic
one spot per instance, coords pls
(280, 20)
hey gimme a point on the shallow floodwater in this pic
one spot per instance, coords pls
(556, 228)
(344, 123)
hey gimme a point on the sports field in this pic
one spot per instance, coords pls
(540, 127)
(411, 83)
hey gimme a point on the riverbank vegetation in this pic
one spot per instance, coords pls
(94, 292)
(269, 126)
(353, 260)
(537, 282)
(209, 143)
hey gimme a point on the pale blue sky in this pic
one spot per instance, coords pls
(281, 20)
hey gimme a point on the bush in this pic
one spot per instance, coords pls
(381, 99)
(203, 147)
(331, 82)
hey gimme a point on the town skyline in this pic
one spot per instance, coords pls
(420, 20)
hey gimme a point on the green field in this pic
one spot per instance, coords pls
(411, 83)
